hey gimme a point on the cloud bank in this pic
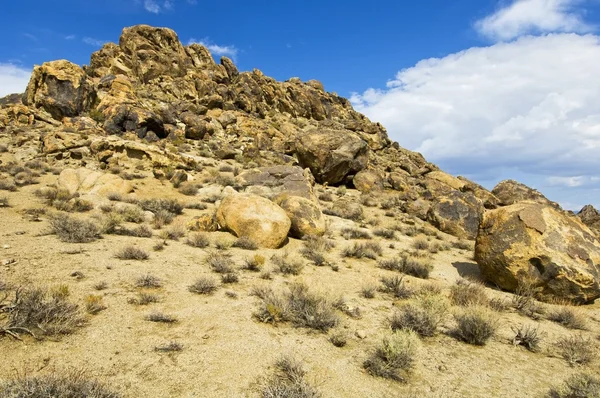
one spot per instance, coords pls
(13, 79)
(215, 49)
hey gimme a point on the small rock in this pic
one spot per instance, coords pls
(361, 334)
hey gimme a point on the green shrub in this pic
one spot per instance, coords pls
(73, 230)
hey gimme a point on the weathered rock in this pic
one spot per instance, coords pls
(350, 209)
(291, 180)
(590, 217)
(332, 155)
(509, 192)
(532, 241)
(205, 223)
(179, 177)
(60, 141)
(85, 181)
(367, 181)
(399, 181)
(61, 88)
(306, 216)
(255, 217)
(456, 214)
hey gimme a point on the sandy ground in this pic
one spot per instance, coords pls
(226, 351)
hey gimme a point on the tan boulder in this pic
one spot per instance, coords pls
(331, 155)
(447, 179)
(59, 87)
(509, 192)
(306, 216)
(255, 217)
(456, 214)
(368, 181)
(205, 223)
(288, 180)
(347, 208)
(60, 141)
(85, 181)
(532, 241)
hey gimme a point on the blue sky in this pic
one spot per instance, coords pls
(487, 89)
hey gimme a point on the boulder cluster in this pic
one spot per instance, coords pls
(149, 95)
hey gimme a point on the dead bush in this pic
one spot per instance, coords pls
(132, 253)
(245, 243)
(577, 350)
(73, 230)
(220, 263)
(157, 205)
(39, 312)
(173, 233)
(144, 299)
(385, 233)
(288, 381)
(527, 336)
(422, 316)
(368, 292)
(467, 292)
(4, 201)
(198, 240)
(395, 286)
(568, 317)
(326, 197)
(160, 317)
(339, 338)
(7, 184)
(407, 265)
(579, 385)
(148, 281)
(300, 306)
(394, 358)
(94, 304)
(286, 265)
(355, 233)
(475, 325)
(204, 285)
(74, 384)
(188, 188)
(363, 250)
(254, 263)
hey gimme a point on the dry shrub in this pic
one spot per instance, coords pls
(339, 338)
(394, 358)
(407, 265)
(524, 299)
(422, 315)
(229, 278)
(73, 230)
(368, 292)
(144, 299)
(188, 188)
(41, 312)
(160, 317)
(286, 265)
(568, 317)
(148, 281)
(395, 286)
(132, 253)
(463, 245)
(255, 263)
(156, 205)
(355, 233)
(220, 263)
(363, 250)
(173, 346)
(326, 197)
(204, 285)
(7, 184)
(528, 336)
(385, 233)
(74, 384)
(245, 243)
(467, 292)
(577, 350)
(579, 385)
(475, 325)
(4, 202)
(198, 240)
(94, 304)
(420, 244)
(173, 233)
(300, 306)
(288, 381)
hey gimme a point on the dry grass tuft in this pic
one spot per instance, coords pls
(395, 356)
(204, 285)
(527, 336)
(132, 253)
(467, 292)
(568, 317)
(370, 250)
(148, 281)
(245, 243)
(422, 315)
(577, 350)
(198, 240)
(407, 265)
(75, 384)
(286, 265)
(579, 385)
(160, 317)
(355, 233)
(173, 346)
(73, 230)
(395, 286)
(475, 325)
(288, 381)
(94, 304)
(220, 263)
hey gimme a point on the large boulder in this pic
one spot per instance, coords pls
(590, 217)
(536, 242)
(456, 214)
(509, 192)
(86, 181)
(331, 155)
(367, 181)
(59, 87)
(290, 180)
(306, 216)
(254, 217)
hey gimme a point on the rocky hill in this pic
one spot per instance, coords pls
(155, 140)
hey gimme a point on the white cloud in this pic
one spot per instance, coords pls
(533, 16)
(151, 6)
(93, 42)
(70, 37)
(13, 79)
(528, 108)
(215, 49)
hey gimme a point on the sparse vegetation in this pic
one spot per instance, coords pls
(94, 304)
(288, 381)
(568, 317)
(173, 346)
(363, 250)
(421, 315)
(394, 358)
(527, 336)
(407, 265)
(229, 278)
(148, 281)
(198, 240)
(144, 299)
(286, 265)
(74, 384)
(577, 350)
(205, 285)
(385, 233)
(73, 230)
(368, 292)
(355, 233)
(339, 338)
(244, 242)
(220, 263)
(254, 263)
(395, 286)
(160, 317)
(475, 325)
(132, 253)
(580, 385)
(467, 292)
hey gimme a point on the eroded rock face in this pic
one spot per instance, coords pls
(590, 217)
(367, 181)
(61, 88)
(531, 240)
(290, 180)
(256, 218)
(332, 155)
(457, 214)
(509, 192)
(85, 181)
(306, 216)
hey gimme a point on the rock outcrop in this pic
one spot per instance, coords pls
(532, 241)
(306, 216)
(590, 217)
(510, 192)
(256, 218)
(457, 214)
(85, 181)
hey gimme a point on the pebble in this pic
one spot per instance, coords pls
(6, 246)
(361, 334)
